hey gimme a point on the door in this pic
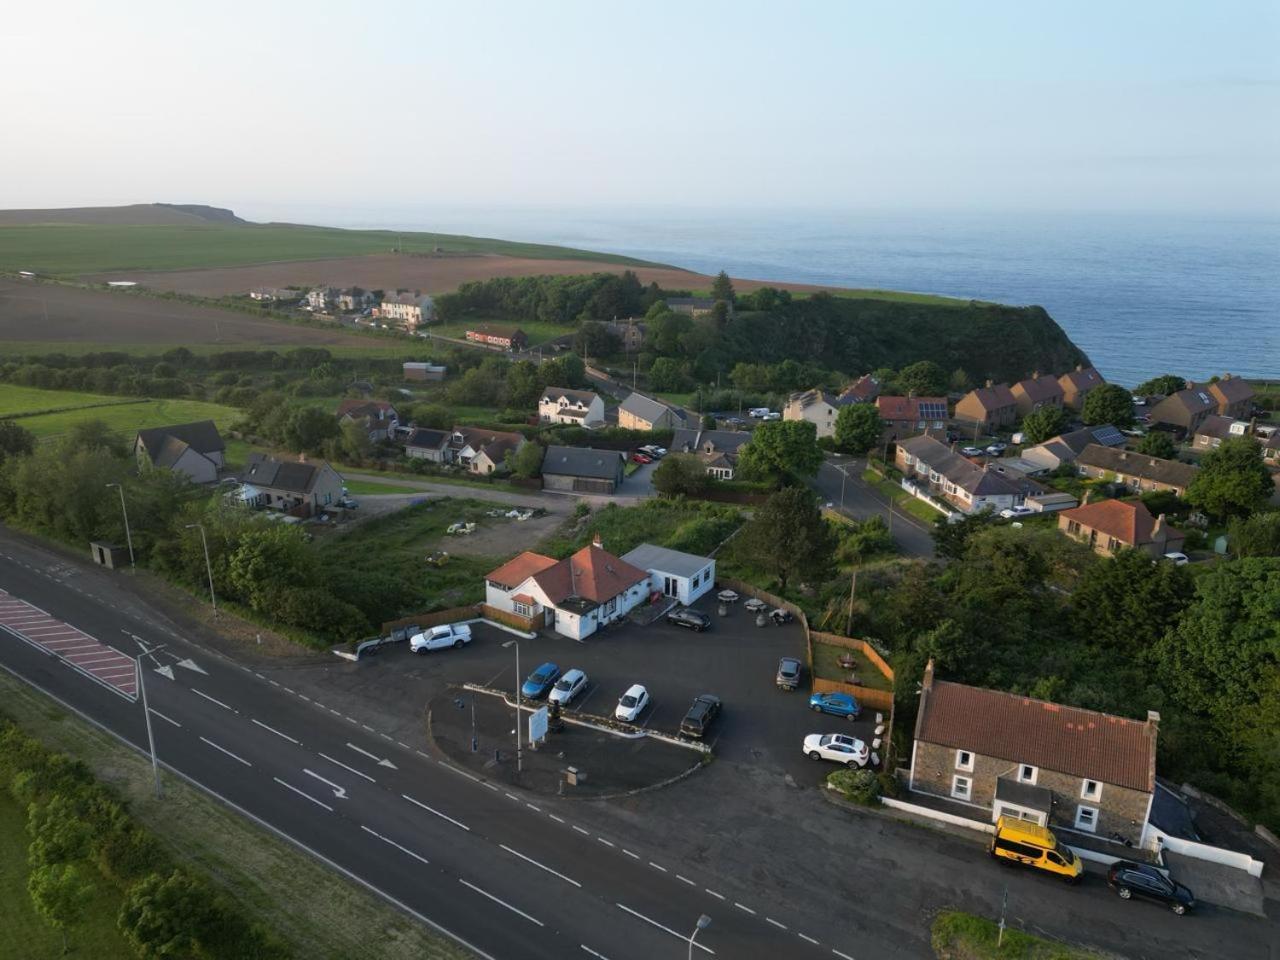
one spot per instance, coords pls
(670, 587)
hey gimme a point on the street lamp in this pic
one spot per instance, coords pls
(519, 716)
(208, 565)
(703, 922)
(146, 713)
(127, 535)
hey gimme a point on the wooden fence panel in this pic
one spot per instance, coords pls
(433, 619)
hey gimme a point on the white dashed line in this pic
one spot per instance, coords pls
(744, 909)
(260, 676)
(169, 719)
(532, 807)
(490, 786)
(516, 910)
(456, 823)
(657, 866)
(348, 769)
(607, 843)
(386, 738)
(540, 866)
(780, 926)
(469, 776)
(403, 744)
(718, 896)
(404, 850)
(512, 796)
(273, 683)
(555, 818)
(336, 713)
(283, 736)
(288, 690)
(227, 752)
(633, 856)
(585, 833)
(685, 880)
(369, 728)
(679, 936)
(844, 956)
(810, 939)
(211, 700)
(594, 953)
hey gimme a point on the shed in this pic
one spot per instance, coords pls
(110, 555)
(684, 576)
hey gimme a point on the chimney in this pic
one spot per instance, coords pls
(989, 384)
(1153, 720)
(1158, 528)
(1079, 368)
(927, 685)
(596, 541)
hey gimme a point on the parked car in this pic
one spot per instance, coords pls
(570, 684)
(632, 703)
(640, 458)
(348, 503)
(1129, 880)
(789, 670)
(652, 450)
(772, 415)
(694, 620)
(1177, 558)
(971, 451)
(997, 448)
(440, 638)
(1017, 841)
(1012, 512)
(837, 747)
(540, 681)
(836, 704)
(758, 413)
(700, 716)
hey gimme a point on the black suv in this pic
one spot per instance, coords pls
(1130, 879)
(704, 710)
(693, 619)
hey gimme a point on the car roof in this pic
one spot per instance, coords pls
(635, 690)
(789, 660)
(545, 668)
(573, 674)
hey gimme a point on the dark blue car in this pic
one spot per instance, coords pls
(540, 681)
(836, 704)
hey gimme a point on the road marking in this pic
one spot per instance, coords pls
(780, 926)
(490, 786)
(679, 936)
(744, 909)
(386, 738)
(532, 807)
(456, 823)
(303, 696)
(190, 664)
(607, 843)
(273, 683)
(211, 700)
(369, 728)
(288, 690)
(633, 856)
(657, 866)
(260, 676)
(301, 794)
(284, 736)
(486, 893)
(512, 796)
(394, 844)
(336, 713)
(594, 953)
(718, 896)
(403, 744)
(585, 833)
(169, 719)
(469, 776)
(349, 769)
(685, 880)
(555, 818)
(541, 866)
(844, 956)
(226, 751)
(165, 671)
(372, 756)
(810, 939)
(339, 792)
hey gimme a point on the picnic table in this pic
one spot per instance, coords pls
(727, 596)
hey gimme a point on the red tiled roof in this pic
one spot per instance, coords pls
(519, 569)
(592, 573)
(1081, 743)
(908, 408)
(1129, 522)
(525, 599)
(361, 408)
(864, 388)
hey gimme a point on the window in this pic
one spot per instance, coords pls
(1027, 773)
(520, 608)
(1091, 790)
(1087, 818)
(961, 788)
(964, 760)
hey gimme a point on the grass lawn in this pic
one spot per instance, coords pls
(19, 401)
(127, 418)
(826, 664)
(365, 488)
(692, 526)
(687, 400)
(962, 936)
(902, 500)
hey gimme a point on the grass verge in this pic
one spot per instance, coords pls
(366, 488)
(962, 936)
(826, 665)
(320, 914)
(901, 499)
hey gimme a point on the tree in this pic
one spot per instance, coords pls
(708, 421)
(923, 379)
(266, 559)
(58, 834)
(787, 537)
(59, 892)
(1039, 425)
(1127, 604)
(719, 315)
(305, 428)
(354, 441)
(166, 917)
(680, 474)
(595, 339)
(781, 447)
(1233, 481)
(1108, 403)
(857, 428)
(1255, 536)
(1157, 443)
(722, 288)
(15, 441)
(526, 460)
(1160, 386)
(960, 380)
(667, 375)
(950, 540)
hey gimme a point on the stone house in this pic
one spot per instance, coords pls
(378, 417)
(195, 450)
(1232, 395)
(1137, 471)
(695, 306)
(630, 333)
(410, 310)
(1076, 385)
(1109, 526)
(1035, 392)
(1003, 754)
(579, 408)
(990, 407)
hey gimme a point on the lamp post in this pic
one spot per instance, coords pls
(146, 713)
(208, 565)
(703, 922)
(519, 716)
(127, 535)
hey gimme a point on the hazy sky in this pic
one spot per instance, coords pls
(1133, 105)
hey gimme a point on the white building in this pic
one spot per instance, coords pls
(411, 310)
(684, 576)
(581, 408)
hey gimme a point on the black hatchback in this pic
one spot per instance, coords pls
(1129, 880)
(692, 619)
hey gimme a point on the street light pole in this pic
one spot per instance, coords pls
(843, 477)
(208, 566)
(127, 535)
(519, 716)
(146, 712)
(703, 922)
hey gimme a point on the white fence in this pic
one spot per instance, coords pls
(932, 814)
(1202, 851)
(919, 494)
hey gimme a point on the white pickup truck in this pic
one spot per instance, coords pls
(441, 637)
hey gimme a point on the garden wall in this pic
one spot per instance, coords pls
(432, 619)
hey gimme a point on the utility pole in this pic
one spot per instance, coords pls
(208, 566)
(853, 586)
(127, 535)
(519, 716)
(146, 712)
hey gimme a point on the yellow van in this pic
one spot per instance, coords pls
(1027, 843)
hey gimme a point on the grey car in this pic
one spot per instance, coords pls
(691, 619)
(789, 670)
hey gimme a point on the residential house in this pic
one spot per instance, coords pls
(1184, 411)
(960, 482)
(195, 450)
(320, 299)
(354, 299)
(410, 310)
(483, 451)
(695, 306)
(630, 333)
(1233, 396)
(990, 407)
(682, 576)
(274, 294)
(638, 412)
(506, 338)
(908, 416)
(1004, 754)
(426, 444)
(863, 390)
(580, 408)
(1065, 447)
(297, 487)
(1036, 392)
(1076, 385)
(1137, 471)
(423, 371)
(1109, 526)
(1215, 428)
(575, 596)
(378, 417)
(582, 470)
(819, 407)
(717, 449)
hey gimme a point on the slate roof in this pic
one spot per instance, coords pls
(961, 471)
(646, 408)
(1194, 400)
(684, 440)
(912, 408)
(428, 439)
(1130, 522)
(1077, 440)
(290, 475)
(649, 556)
(1008, 726)
(1137, 465)
(807, 398)
(584, 397)
(862, 390)
(1038, 389)
(1218, 426)
(1230, 390)
(201, 436)
(581, 462)
(1083, 378)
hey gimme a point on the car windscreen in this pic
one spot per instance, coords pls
(564, 684)
(628, 701)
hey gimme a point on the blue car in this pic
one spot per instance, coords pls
(540, 681)
(836, 704)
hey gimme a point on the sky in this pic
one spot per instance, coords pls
(272, 107)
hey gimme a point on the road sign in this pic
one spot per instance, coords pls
(538, 725)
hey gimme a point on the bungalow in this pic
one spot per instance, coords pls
(582, 470)
(1065, 447)
(960, 482)
(1137, 471)
(1004, 754)
(1109, 526)
(683, 576)
(717, 449)
(294, 487)
(580, 408)
(908, 416)
(1184, 411)
(425, 444)
(506, 338)
(483, 451)
(1076, 385)
(990, 407)
(816, 406)
(1036, 392)
(576, 596)
(378, 417)
(195, 450)
(638, 412)
(410, 310)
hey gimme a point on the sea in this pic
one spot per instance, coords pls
(1142, 295)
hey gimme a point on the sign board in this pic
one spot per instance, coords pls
(538, 725)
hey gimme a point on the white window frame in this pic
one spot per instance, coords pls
(1087, 827)
(1022, 770)
(522, 609)
(960, 764)
(1095, 794)
(959, 793)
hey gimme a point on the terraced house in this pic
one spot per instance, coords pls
(1077, 384)
(908, 416)
(1184, 412)
(989, 407)
(1035, 392)
(948, 476)
(1137, 471)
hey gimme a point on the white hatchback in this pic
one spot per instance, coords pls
(837, 747)
(571, 683)
(632, 703)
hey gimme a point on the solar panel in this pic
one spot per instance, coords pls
(933, 411)
(1108, 436)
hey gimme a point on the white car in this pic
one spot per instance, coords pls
(1178, 559)
(571, 683)
(632, 703)
(971, 451)
(441, 638)
(1011, 513)
(772, 415)
(995, 449)
(837, 747)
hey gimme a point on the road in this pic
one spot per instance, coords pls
(839, 481)
(507, 877)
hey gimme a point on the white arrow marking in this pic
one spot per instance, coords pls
(165, 671)
(339, 792)
(382, 762)
(191, 665)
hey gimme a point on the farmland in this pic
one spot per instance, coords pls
(121, 414)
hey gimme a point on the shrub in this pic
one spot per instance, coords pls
(128, 853)
(860, 786)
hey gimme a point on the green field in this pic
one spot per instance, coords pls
(367, 488)
(537, 331)
(122, 414)
(16, 401)
(75, 249)
(376, 347)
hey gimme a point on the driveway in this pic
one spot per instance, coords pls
(839, 482)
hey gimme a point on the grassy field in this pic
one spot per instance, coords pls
(373, 348)
(74, 249)
(692, 526)
(126, 418)
(365, 488)
(962, 936)
(16, 401)
(902, 500)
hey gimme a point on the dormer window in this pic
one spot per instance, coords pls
(1027, 773)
